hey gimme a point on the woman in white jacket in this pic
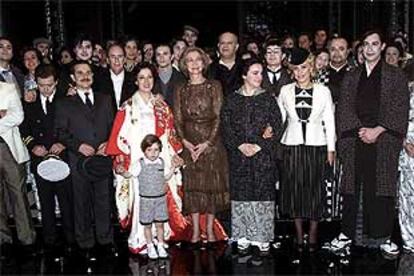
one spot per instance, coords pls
(308, 144)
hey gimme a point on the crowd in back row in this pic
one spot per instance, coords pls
(226, 128)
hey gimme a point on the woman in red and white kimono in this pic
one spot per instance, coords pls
(140, 115)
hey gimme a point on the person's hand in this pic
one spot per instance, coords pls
(119, 159)
(370, 135)
(56, 148)
(409, 149)
(249, 149)
(177, 161)
(191, 148)
(71, 90)
(199, 149)
(119, 169)
(39, 151)
(158, 99)
(331, 158)
(30, 96)
(3, 113)
(102, 149)
(268, 133)
(86, 150)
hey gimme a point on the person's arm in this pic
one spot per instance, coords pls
(217, 104)
(62, 123)
(328, 118)
(14, 114)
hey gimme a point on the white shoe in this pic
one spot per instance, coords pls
(340, 243)
(162, 253)
(389, 248)
(263, 246)
(243, 244)
(152, 252)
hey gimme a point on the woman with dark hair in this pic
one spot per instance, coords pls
(31, 59)
(139, 116)
(245, 116)
(197, 106)
(393, 53)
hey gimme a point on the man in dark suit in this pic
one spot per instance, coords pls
(168, 77)
(8, 73)
(275, 76)
(83, 124)
(40, 138)
(116, 81)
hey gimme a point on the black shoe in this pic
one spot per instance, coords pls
(89, 254)
(108, 250)
(195, 245)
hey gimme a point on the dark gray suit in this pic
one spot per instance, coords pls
(274, 88)
(75, 124)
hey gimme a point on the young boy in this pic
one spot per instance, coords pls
(152, 191)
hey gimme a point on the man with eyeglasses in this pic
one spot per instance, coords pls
(275, 76)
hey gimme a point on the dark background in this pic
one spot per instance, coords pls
(162, 20)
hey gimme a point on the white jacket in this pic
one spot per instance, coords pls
(9, 124)
(320, 128)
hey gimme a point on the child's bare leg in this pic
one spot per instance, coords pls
(148, 233)
(160, 231)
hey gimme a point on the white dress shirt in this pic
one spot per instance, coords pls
(81, 94)
(117, 80)
(43, 100)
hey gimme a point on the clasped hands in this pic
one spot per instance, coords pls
(195, 150)
(370, 135)
(87, 150)
(41, 151)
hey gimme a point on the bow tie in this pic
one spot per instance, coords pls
(274, 72)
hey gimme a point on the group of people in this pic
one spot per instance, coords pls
(169, 144)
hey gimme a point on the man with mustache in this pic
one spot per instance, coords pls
(83, 124)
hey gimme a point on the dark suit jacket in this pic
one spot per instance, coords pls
(76, 123)
(274, 89)
(38, 128)
(231, 80)
(176, 79)
(104, 84)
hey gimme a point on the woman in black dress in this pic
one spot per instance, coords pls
(245, 116)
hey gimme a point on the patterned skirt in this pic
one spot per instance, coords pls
(302, 173)
(253, 220)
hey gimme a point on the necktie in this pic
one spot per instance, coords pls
(7, 76)
(48, 106)
(88, 100)
(274, 73)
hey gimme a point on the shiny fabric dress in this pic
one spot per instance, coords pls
(406, 185)
(197, 119)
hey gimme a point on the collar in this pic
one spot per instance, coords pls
(227, 65)
(149, 162)
(2, 69)
(43, 98)
(278, 70)
(114, 76)
(256, 92)
(337, 69)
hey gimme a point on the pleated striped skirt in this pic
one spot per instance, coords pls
(302, 191)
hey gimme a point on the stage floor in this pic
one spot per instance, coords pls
(224, 260)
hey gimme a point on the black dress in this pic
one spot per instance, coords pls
(303, 169)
